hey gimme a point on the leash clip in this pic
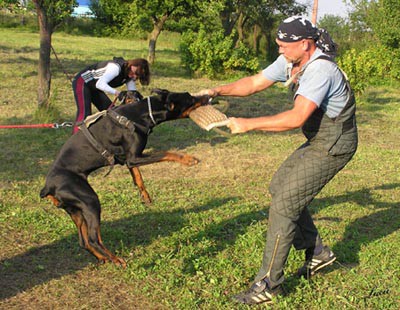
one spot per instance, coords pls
(64, 124)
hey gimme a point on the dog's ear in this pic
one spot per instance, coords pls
(159, 91)
(163, 93)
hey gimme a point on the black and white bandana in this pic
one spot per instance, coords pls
(296, 28)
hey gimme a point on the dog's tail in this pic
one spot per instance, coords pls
(44, 192)
(47, 190)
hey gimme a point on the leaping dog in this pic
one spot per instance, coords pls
(115, 136)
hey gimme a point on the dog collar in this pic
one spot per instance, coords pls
(150, 111)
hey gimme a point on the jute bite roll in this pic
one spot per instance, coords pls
(207, 117)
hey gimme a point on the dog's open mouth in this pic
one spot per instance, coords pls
(200, 101)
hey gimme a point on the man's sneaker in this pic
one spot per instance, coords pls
(258, 293)
(316, 262)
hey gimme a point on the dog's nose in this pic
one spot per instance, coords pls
(205, 100)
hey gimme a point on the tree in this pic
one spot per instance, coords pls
(50, 14)
(339, 30)
(255, 17)
(156, 13)
(384, 20)
(111, 13)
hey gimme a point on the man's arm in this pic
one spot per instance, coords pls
(240, 88)
(291, 119)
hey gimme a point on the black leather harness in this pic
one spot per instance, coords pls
(119, 120)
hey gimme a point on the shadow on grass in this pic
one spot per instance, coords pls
(26, 153)
(44, 263)
(360, 232)
(369, 228)
(41, 264)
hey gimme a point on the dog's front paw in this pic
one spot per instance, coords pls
(189, 160)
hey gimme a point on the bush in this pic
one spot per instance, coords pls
(375, 65)
(19, 19)
(212, 54)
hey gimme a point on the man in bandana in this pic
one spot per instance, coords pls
(324, 108)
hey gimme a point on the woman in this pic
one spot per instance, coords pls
(92, 83)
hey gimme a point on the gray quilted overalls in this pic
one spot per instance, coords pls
(331, 143)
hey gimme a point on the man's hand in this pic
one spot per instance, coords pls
(237, 125)
(206, 92)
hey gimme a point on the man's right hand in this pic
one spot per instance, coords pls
(206, 92)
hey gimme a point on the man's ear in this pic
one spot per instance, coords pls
(306, 45)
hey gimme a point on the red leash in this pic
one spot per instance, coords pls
(53, 125)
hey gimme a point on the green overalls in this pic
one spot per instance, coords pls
(331, 143)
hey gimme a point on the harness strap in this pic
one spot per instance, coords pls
(119, 119)
(100, 148)
(124, 121)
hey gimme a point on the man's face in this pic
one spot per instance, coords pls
(292, 51)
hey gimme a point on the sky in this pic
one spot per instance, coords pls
(83, 7)
(333, 7)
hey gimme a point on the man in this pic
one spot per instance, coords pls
(324, 107)
(92, 83)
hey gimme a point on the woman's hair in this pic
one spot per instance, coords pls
(143, 70)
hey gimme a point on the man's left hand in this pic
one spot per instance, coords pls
(237, 125)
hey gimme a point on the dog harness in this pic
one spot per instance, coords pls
(116, 118)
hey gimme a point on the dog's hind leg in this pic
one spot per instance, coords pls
(77, 218)
(87, 218)
(90, 238)
(138, 180)
(89, 230)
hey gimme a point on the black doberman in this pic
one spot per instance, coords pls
(115, 136)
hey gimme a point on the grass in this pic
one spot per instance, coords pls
(201, 241)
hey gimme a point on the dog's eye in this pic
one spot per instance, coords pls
(170, 106)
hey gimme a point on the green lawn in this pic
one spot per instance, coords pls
(202, 239)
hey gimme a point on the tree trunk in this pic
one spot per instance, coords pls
(240, 29)
(157, 28)
(314, 14)
(228, 22)
(256, 38)
(44, 73)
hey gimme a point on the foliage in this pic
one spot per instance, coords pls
(55, 11)
(82, 26)
(375, 39)
(111, 13)
(371, 66)
(387, 13)
(339, 29)
(211, 54)
(19, 19)
(12, 5)
(376, 18)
